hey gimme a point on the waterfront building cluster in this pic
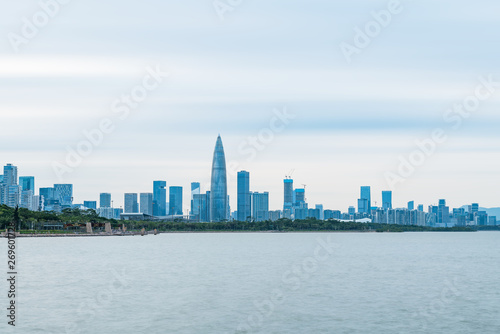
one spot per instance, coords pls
(213, 205)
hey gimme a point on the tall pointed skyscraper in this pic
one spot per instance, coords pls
(218, 191)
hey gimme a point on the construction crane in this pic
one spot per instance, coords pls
(289, 175)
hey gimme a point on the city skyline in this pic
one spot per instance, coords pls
(65, 195)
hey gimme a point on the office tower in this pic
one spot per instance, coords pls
(387, 200)
(300, 198)
(321, 211)
(208, 218)
(47, 195)
(199, 207)
(13, 196)
(117, 212)
(260, 203)
(420, 207)
(492, 221)
(37, 204)
(175, 201)
(218, 189)
(160, 198)
(313, 213)
(411, 205)
(351, 210)
(90, 204)
(27, 183)
(146, 203)
(131, 205)
(64, 194)
(366, 195)
(105, 200)
(481, 218)
(195, 190)
(9, 179)
(10, 175)
(474, 208)
(443, 216)
(244, 196)
(363, 205)
(288, 192)
(26, 199)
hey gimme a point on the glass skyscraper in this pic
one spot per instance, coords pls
(105, 200)
(64, 194)
(367, 197)
(160, 198)
(175, 201)
(244, 197)
(146, 204)
(27, 183)
(260, 206)
(131, 205)
(387, 200)
(218, 189)
(195, 190)
(288, 191)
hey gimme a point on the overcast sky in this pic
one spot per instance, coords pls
(349, 124)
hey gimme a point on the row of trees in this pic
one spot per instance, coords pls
(31, 219)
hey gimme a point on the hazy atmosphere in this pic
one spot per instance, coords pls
(289, 86)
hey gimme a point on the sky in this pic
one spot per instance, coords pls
(337, 93)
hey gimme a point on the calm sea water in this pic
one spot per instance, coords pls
(258, 283)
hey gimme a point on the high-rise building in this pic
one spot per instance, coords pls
(260, 203)
(387, 200)
(64, 194)
(175, 201)
(321, 211)
(195, 190)
(27, 183)
(160, 198)
(90, 204)
(420, 207)
(443, 216)
(474, 208)
(26, 199)
(10, 175)
(367, 197)
(13, 196)
(411, 205)
(244, 196)
(218, 189)
(131, 205)
(146, 203)
(363, 205)
(47, 193)
(8, 192)
(199, 208)
(27, 192)
(300, 198)
(288, 192)
(105, 200)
